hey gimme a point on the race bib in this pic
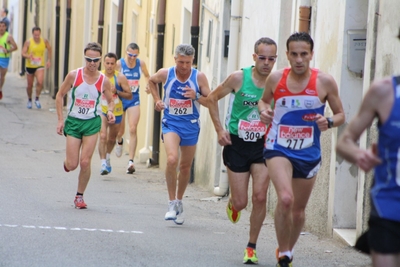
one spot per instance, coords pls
(84, 106)
(180, 107)
(134, 85)
(250, 131)
(295, 137)
(37, 61)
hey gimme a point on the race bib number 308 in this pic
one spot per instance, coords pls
(295, 137)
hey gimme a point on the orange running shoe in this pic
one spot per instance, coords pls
(233, 214)
(79, 202)
(250, 256)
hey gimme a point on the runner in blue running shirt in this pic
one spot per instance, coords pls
(185, 89)
(382, 101)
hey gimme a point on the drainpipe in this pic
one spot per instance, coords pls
(67, 42)
(236, 16)
(57, 49)
(304, 16)
(24, 36)
(101, 26)
(144, 153)
(159, 64)
(119, 27)
(195, 29)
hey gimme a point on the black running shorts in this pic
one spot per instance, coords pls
(239, 156)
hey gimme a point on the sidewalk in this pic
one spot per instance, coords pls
(29, 137)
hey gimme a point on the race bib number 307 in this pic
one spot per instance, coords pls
(295, 137)
(180, 107)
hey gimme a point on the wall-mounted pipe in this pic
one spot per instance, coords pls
(154, 160)
(236, 16)
(195, 29)
(304, 18)
(57, 49)
(67, 42)
(24, 35)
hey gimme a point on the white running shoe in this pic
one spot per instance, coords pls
(172, 211)
(131, 168)
(104, 170)
(118, 148)
(37, 103)
(180, 219)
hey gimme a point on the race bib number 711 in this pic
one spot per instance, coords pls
(295, 137)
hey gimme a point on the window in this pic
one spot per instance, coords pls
(209, 41)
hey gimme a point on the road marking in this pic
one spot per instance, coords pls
(69, 229)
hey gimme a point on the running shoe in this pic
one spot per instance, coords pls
(180, 219)
(284, 261)
(131, 168)
(103, 170)
(118, 148)
(29, 104)
(37, 103)
(233, 214)
(108, 165)
(1, 95)
(79, 203)
(172, 211)
(250, 256)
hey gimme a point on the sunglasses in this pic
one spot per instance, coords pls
(132, 55)
(263, 58)
(90, 59)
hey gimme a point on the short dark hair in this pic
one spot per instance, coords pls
(111, 55)
(263, 40)
(94, 47)
(300, 37)
(3, 22)
(133, 46)
(36, 28)
(5, 10)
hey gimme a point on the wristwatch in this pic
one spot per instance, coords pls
(198, 95)
(330, 122)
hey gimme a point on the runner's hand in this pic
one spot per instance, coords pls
(368, 159)
(159, 105)
(321, 122)
(266, 116)
(224, 138)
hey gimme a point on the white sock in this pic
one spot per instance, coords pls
(103, 161)
(285, 253)
(108, 156)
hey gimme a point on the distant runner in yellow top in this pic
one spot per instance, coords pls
(108, 133)
(34, 51)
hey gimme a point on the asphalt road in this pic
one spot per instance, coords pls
(124, 223)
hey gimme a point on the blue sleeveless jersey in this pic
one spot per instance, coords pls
(133, 77)
(180, 109)
(385, 192)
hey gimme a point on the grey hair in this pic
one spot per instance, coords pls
(184, 50)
